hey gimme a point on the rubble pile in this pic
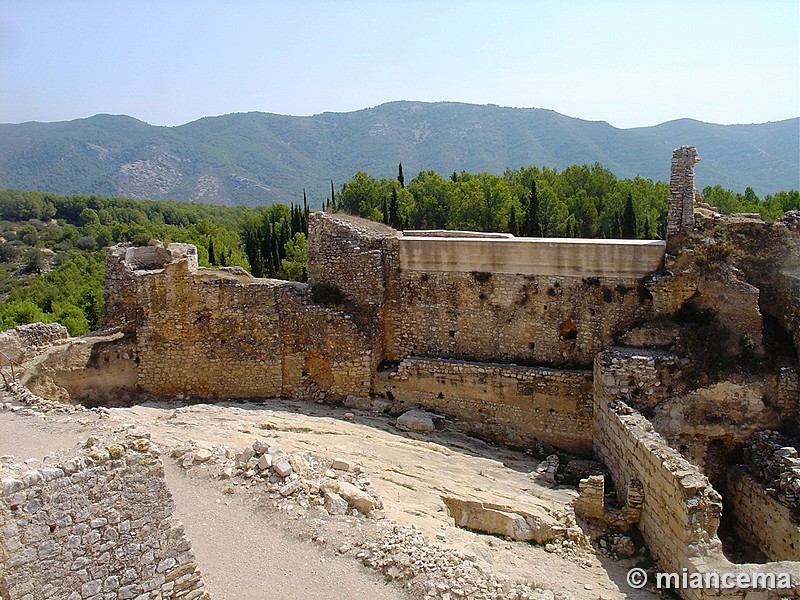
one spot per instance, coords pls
(773, 460)
(404, 555)
(299, 482)
(32, 404)
(338, 485)
(791, 219)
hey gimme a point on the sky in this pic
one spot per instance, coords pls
(631, 63)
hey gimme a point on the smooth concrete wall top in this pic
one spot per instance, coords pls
(568, 257)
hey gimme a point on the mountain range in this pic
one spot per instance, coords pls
(261, 158)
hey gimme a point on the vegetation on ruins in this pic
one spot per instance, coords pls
(51, 247)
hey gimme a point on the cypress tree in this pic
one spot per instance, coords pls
(333, 197)
(513, 226)
(530, 223)
(394, 217)
(400, 177)
(385, 210)
(629, 220)
(212, 258)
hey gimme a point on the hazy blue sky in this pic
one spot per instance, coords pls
(631, 63)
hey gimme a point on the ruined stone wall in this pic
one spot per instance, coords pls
(680, 512)
(761, 519)
(528, 319)
(96, 524)
(361, 259)
(222, 333)
(26, 341)
(680, 215)
(680, 509)
(513, 404)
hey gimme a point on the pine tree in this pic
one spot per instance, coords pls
(629, 220)
(400, 177)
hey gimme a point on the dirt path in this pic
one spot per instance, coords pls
(244, 557)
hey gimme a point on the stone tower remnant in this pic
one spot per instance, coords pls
(680, 218)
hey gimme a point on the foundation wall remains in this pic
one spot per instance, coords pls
(508, 402)
(97, 524)
(680, 509)
(761, 519)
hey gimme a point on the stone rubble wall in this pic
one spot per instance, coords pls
(680, 216)
(96, 524)
(220, 333)
(27, 341)
(529, 319)
(680, 509)
(772, 459)
(361, 259)
(761, 519)
(510, 403)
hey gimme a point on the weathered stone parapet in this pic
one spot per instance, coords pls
(680, 215)
(558, 257)
(94, 523)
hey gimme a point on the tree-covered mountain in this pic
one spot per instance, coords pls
(261, 158)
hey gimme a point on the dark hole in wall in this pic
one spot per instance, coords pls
(721, 456)
(481, 276)
(691, 314)
(608, 295)
(567, 330)
(777, 341)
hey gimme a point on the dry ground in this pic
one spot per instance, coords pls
(247, 551)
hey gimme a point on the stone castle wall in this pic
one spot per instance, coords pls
(222, 333)
(96, 524)
(527, 319)
(507, 402)
(551, 302)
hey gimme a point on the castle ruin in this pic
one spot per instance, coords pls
(593, 347)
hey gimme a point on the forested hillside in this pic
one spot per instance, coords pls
(52, 247)
(259, 158)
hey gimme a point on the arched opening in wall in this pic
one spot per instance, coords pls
(567, 330)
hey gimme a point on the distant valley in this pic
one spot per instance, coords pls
(262, 158)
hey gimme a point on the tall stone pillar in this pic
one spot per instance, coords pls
(680, 218)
